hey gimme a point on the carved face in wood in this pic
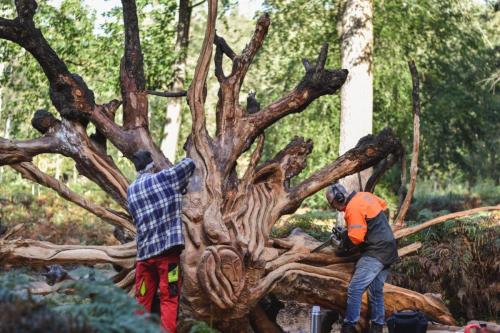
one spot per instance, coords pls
(232, 267)
(221, 275)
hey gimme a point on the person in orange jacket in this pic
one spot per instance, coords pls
(368, 230)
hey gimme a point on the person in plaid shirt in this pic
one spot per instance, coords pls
(155, 202)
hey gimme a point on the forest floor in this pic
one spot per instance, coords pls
(296, 318)
(465, 252)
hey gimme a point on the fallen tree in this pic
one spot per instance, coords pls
(230, 262)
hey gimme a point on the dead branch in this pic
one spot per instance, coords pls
(221, 49)
(254, 160)
(408, 249)
(15, 151)
(314, 285)
(132, 81)
(11, 232)
(399, 222)
(380, 169)
(196, 93)
(411, 230)
(369, 151)
(402, 187)
(44, 253)
(127, 281)
(288, 163)
(317, 82)
(242, 62)
(167, 93)
(31, 172)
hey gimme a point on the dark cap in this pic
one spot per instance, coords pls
(141, 159)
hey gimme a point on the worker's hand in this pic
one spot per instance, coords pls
(346, 247)
(184, 190)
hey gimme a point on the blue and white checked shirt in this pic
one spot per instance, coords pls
(155, 202)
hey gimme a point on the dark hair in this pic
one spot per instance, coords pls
(141, 159)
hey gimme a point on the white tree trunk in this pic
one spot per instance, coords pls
(172, 127)
(357, 92)
(174, 105)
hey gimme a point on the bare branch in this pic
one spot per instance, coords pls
(409, 249)
(370, 150)
(133, 83)
(31, 172)
(381, 168)
(321, 61)
(254, 160)
(68, 92)
(12, 231)
(26, 10)
(411, 230)
(167, 93)
(198, 4)
(288, 163)
(127, 280)
(44, 253)
(242, 63)
(196, 90)
(196, 93)
(416, 142)
(316, 285)
(224, 48)
(402, 187)
(14, 151)
(316, 82)
(221, 48)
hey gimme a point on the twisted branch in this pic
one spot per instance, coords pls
(370, 150)
(403, 210)
(43, 253)
(31, 172)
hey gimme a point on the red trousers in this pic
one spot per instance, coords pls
(154, 272)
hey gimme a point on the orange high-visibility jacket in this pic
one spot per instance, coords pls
(361, 207)
(367, 226)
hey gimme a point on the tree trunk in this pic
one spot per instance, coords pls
(174, 105)
(356, 32)
(230, 262)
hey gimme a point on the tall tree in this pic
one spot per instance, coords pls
(356, 115)
(230, 262)
(174, 105)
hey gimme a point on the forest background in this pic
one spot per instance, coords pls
(455, 44)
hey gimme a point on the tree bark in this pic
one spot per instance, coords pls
(356, 34)
(172, 126)
(405, 205)
(230, 263)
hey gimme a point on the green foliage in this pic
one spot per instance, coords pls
(202, 327)
(454, 45)
(22, 312)
(97, 306)
(459, 260)
(107, 308)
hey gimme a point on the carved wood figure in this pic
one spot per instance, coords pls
(230, 262)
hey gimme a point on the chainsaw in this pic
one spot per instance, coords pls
(334, 240)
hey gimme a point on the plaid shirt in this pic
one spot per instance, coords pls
(155, 202)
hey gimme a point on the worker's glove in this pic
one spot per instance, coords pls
(346, 247)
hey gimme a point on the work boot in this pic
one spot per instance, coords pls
(376, 328)
(348, 329)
